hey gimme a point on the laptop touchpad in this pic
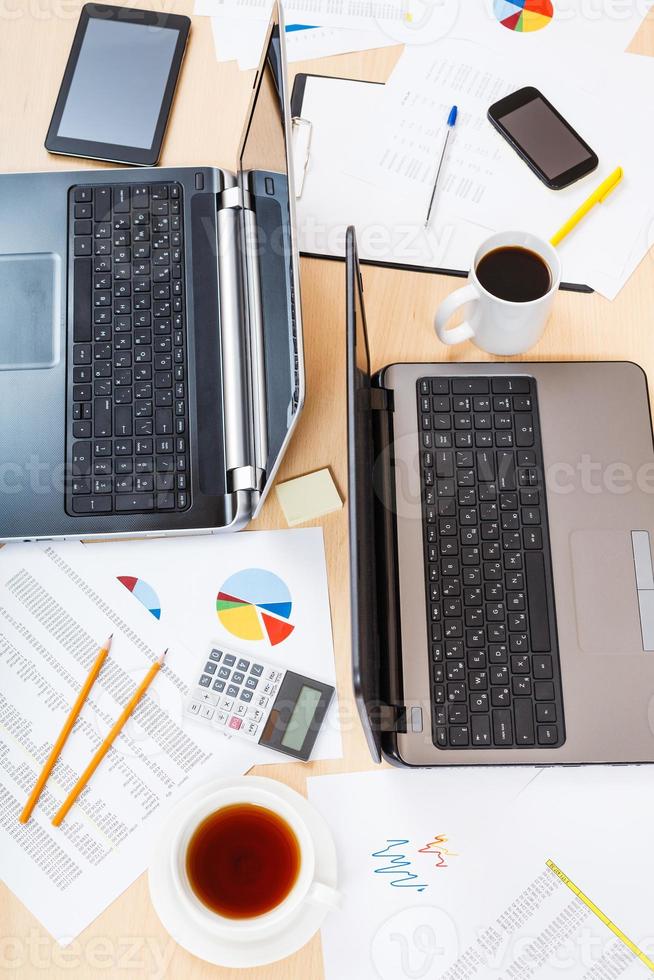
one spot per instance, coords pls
(606, 598)
(29, 310)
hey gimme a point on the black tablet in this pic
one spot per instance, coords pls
(119, 84)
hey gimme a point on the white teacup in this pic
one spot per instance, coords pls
(306, 888)
(496, 325)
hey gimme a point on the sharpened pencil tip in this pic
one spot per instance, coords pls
(163, 656)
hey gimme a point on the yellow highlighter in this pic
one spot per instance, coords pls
(598, 195)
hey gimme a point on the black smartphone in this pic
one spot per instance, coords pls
(119, 83)
(541, 136)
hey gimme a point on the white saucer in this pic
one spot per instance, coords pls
(200, 940)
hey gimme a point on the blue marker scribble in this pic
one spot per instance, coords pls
(398, 860)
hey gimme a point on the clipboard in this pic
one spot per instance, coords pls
(304, 126)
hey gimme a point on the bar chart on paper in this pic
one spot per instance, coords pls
(255, 604)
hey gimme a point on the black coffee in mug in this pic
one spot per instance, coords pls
(515, 274)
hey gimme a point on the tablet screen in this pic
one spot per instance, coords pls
(119, 83)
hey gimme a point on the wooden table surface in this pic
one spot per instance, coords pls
(127, 940)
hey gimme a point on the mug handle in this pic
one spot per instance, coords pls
(449, 306)
(320, 894)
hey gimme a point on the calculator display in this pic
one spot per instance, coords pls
(300, 720)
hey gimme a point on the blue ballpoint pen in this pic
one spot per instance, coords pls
(451, 119)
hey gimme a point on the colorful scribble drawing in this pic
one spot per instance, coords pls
(397, 861)
(438, 849)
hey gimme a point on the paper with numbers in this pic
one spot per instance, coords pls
(500, 874)
(53, 619)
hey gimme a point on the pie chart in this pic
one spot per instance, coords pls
(144, 592)
(255, 604)
(523, 15)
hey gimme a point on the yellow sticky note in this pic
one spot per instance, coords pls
(308, 497)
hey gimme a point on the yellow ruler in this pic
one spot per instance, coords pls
(600, 915)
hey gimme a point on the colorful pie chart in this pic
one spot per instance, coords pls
(523, 15)
(255, 604)
(144, 592)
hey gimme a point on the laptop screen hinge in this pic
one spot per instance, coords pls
(381, 400)
(390, 718)
(241, 345)
(245, 478)
(233, 199)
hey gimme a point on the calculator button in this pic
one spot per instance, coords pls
(194, 707)
(251, 682)
(235, 723)
(220, 717)
(215, 655)
(243, 664)
(269, 688)
(261, 702)
(219, 685)
(240, 710)
(246, 696)
(237, 677)
(205, 681)
(227, 703)
(271, 675)
(257, 670)
(208, 698)
(255, 714)
(229, 659)
(207, 711)
(232, 690)
(251, 728)
(209, 668)
(224, 672)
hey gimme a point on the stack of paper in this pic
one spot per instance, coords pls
(510, 873)
(58, 602)
(314, 28)
(375, 148)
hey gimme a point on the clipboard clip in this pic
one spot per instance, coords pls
(301, 133)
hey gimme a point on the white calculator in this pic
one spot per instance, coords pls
(260, 701)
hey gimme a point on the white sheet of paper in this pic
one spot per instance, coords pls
(53, 618)
(601, 25)
(187, 574)
(332, 199)
(324, 13)
(608, 25)
(241, 39)
(484, 903)
(387, 163)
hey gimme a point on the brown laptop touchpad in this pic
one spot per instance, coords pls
(606, 599)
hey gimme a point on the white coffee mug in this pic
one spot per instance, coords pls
(496, 325)
(306, 888)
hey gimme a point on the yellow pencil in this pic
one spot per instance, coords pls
(598, 195)
(65, 732)
(109, 740)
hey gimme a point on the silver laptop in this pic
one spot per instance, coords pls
(151, 365)
(501, 568)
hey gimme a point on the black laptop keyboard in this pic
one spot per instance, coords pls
(495, 677)
(127, 438)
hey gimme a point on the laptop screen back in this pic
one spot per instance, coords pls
(265, 169)
(366, 666)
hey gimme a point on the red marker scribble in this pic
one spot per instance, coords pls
(437, 848)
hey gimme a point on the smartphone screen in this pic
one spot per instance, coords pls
(543, 138)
